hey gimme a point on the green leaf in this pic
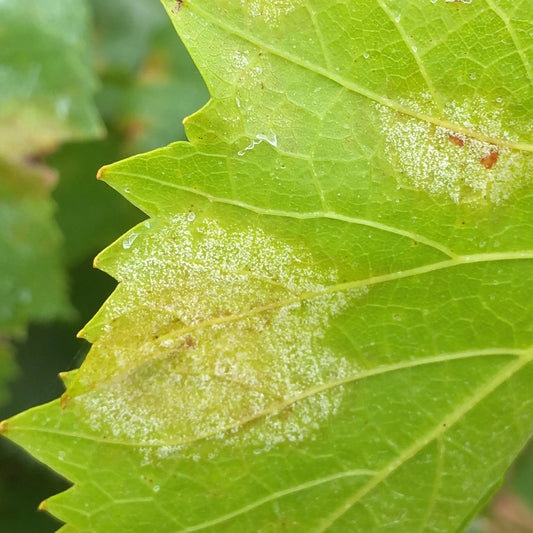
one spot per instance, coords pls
(325, 323)
(32, 280)
(46, 77)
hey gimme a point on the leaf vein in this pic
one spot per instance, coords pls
(503, 375)
(276, 496)
(302, 216)
(348, 84)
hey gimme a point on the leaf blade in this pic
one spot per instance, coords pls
(334, 334)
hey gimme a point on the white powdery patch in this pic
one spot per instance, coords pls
(271, 11)
(449, 164)
(234, 348)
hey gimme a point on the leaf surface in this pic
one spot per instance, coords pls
(324, 324)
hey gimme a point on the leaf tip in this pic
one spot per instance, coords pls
(65, 399)
(43, 506)
(100, 175)
(3, 427)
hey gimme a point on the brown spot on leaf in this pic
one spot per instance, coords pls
(178, 5)
(455, 139)
(489, 160)
(65, 399)
(188, 344)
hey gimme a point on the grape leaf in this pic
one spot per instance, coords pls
(32, 280)
(323, 325)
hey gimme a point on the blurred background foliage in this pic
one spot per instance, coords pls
(84, 83)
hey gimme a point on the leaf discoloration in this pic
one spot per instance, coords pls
(446, 163)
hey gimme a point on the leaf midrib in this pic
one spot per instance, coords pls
(525, 353)
(342, 287)
(353, 87)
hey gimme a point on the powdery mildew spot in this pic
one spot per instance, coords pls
(271, 11)
(449, 164)
(215, 361)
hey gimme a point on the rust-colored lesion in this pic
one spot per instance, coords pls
(65, 400)
(455, 139)
(488, 161)
(189, 343)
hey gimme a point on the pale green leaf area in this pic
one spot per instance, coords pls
(325, 324)
(46, 90)
(46, 80)
(32, 279)
(32, 284)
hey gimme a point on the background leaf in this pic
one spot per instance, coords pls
(33, 282)
(46, 98)
(376, 339)
(47, 82)
(89, 215)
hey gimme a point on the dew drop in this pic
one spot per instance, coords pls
(129, 240)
